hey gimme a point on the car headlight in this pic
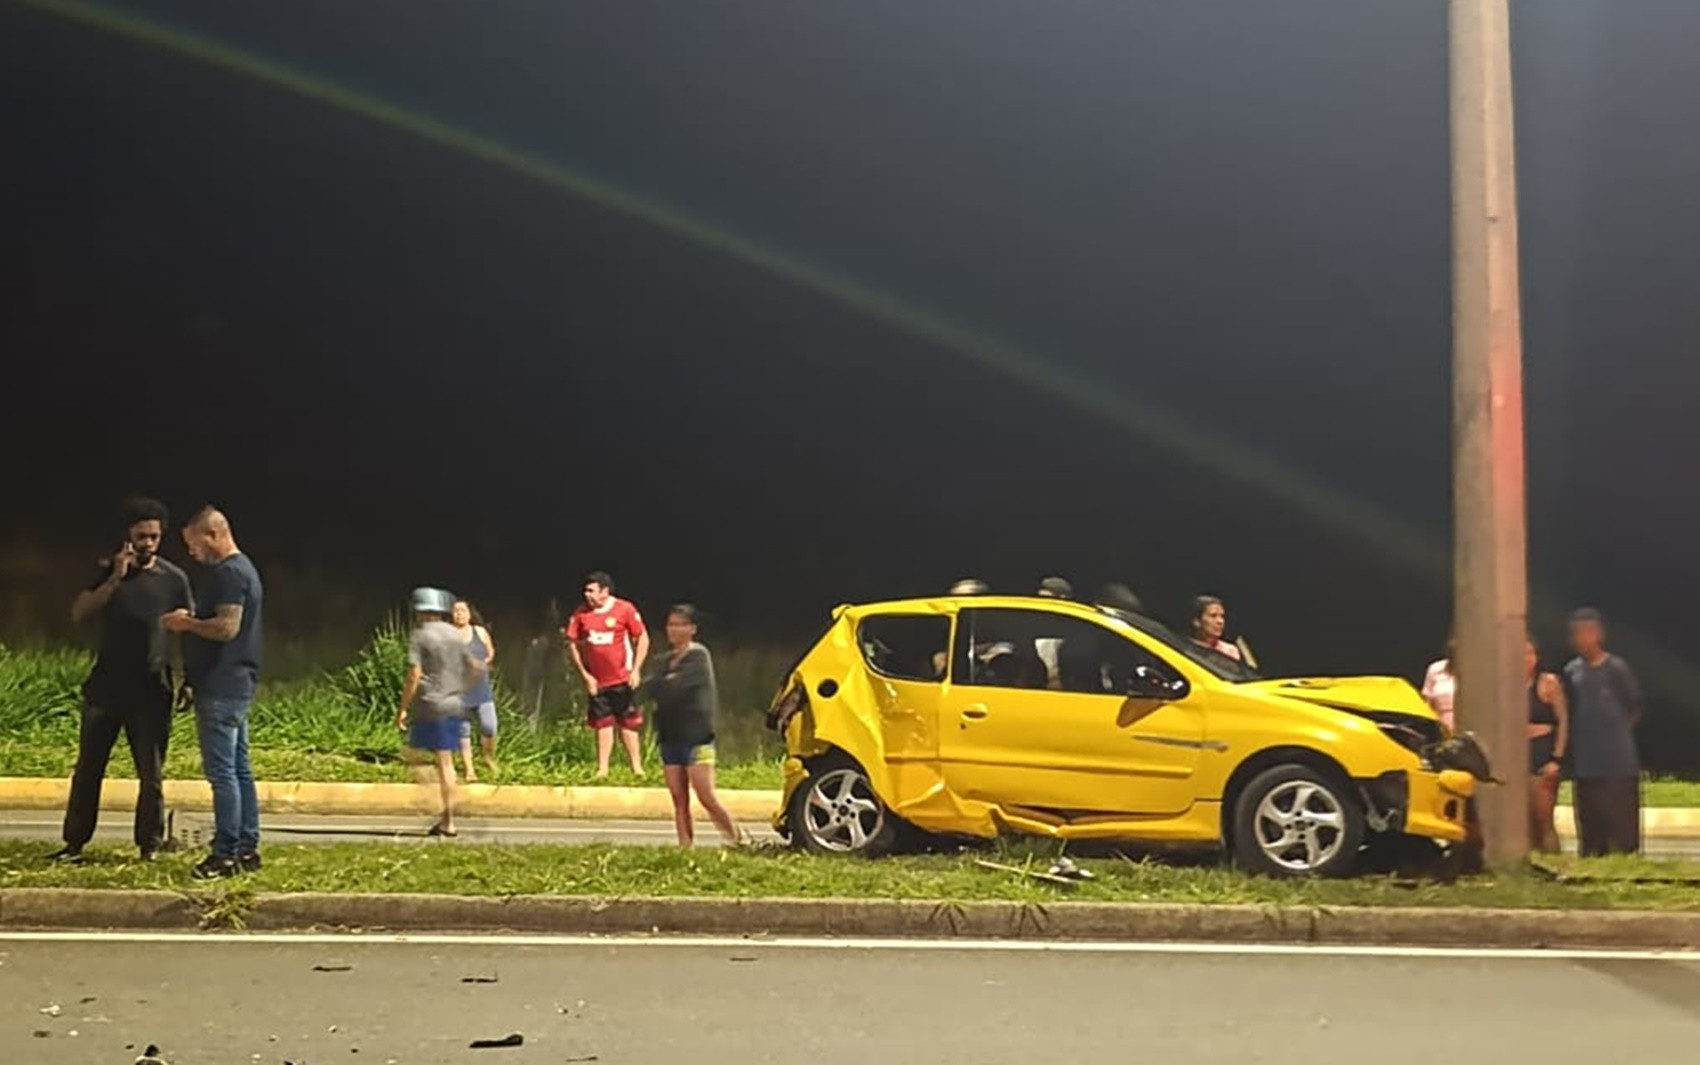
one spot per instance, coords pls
(1416, 734)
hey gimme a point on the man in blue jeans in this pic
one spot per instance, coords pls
(222, 659)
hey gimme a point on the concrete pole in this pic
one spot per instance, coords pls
(1490, 567)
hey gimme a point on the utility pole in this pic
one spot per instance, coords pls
(1490, 570)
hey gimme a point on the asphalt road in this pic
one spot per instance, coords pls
(234, 1000)
(194, 831)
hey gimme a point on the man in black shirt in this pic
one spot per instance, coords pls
(130, 687)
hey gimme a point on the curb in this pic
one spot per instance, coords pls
(58, 908)
(475, 800)
(553, 803)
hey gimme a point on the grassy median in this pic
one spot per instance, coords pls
(450, 867)
(340, 725)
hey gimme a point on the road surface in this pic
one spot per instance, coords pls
(194, 830)
(232, 999)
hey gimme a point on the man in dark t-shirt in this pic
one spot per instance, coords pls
(131, 687)
(1605, 707)
(222, 656)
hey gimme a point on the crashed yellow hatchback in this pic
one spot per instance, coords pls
(981, 715)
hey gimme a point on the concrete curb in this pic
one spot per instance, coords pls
(56, 908)
(476, 800)
(529, 800)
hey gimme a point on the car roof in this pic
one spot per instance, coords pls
(944, 604)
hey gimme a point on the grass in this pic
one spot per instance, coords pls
(610, 871)
(340, 725)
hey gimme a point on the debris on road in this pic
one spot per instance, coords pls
(515, 1040)
(491, 979)
(51, 1010)
(1032, 874)
(1065, 867)
(333, 967)
(150, 1056)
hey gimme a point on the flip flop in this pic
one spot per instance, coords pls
(438, 830)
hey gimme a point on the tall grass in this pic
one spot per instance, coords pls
(340, 724)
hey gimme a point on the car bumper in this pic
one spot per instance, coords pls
(1435, 804)
(793, 773)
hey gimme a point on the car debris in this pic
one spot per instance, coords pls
(515, 1040)
(1033, 874)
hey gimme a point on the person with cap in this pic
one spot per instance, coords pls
(1049, 648)
(1119, 596)
(440, 668)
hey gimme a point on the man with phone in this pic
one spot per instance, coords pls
(131, 687)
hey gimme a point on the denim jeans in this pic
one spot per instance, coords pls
(223, 728)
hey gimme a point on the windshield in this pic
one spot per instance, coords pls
(1219, 665)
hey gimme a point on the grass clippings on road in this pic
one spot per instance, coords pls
(622, 872)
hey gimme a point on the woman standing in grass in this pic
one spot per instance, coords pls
(480, 698)
(1549, 736)
(439, 667)
(682, 685)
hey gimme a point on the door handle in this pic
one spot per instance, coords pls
(974, 713)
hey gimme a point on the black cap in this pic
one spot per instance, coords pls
(1056, 588)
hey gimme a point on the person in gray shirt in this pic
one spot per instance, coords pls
(440, 668)
(1605, 706)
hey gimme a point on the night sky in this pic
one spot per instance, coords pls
(393, 362)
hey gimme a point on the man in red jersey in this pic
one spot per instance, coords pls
(608, 643)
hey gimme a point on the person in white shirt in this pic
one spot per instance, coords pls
(1440, 686)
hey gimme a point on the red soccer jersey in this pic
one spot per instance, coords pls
(605, 640)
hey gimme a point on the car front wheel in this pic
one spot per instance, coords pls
(835, 811)
(1295, 821)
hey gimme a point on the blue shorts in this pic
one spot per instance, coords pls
(687, 754)
(486, 715)
(435, 733)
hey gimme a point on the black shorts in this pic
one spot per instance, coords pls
(613, 706)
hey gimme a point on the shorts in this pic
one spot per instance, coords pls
(613, 706)
(486, 715)
(687, 754)
(435, 733)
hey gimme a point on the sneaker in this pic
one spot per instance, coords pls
(150, 854)
(67, 855)
(215, 868)
(249, 863)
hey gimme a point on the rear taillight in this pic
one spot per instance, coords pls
(786, 705)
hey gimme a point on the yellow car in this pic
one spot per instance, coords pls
(977, 715)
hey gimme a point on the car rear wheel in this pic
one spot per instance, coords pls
(1293, 820)
(835, 811)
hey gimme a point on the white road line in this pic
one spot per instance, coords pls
(799, 943)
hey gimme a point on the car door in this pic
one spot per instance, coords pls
(906, 656)
(1036, 714)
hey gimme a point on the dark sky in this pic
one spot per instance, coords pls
(394, 363)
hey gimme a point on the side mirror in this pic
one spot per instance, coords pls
(1148, 683)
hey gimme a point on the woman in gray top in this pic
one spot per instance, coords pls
(682, 684)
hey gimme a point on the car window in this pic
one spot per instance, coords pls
(1037, 649)
(905, 646)
(1220, 665)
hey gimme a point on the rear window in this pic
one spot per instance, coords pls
(906, 646)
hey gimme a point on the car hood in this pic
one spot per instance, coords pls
(1351, 694)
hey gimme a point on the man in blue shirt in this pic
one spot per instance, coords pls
(1605, 707)
(222, 658)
